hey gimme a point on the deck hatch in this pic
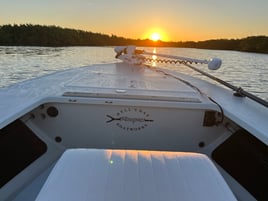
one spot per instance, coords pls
(185, 98)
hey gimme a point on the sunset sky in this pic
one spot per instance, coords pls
(173, 20)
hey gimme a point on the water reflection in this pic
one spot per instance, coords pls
(22, 63)
(154, 57)
(30, 51)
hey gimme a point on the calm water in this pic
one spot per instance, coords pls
(246, 70)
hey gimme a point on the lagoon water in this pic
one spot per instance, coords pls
(246, 70)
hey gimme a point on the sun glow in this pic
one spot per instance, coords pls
(155, 36)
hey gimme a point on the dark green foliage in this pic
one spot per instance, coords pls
(37, 35)
(257, 44)
(254, 44)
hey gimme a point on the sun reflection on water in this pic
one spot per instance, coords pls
(154, 57)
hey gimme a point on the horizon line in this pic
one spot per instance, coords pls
(171, 41)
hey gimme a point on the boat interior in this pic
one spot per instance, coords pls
(126, 110)
(32, 144)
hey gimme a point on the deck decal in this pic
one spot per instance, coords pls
(130, 119)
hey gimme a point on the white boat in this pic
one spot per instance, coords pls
(129, 131)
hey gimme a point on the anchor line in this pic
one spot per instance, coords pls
(221, 113)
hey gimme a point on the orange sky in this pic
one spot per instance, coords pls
(174, 20)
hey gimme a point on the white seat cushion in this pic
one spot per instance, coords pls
(126, 175)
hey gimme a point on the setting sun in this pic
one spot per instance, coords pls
(155, 37)
(156, 34)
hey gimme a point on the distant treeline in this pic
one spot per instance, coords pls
(38, 35)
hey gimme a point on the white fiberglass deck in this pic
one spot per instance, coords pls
(93, 174)
(126, 81)
(110, 80)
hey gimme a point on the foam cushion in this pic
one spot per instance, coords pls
(126, 175)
